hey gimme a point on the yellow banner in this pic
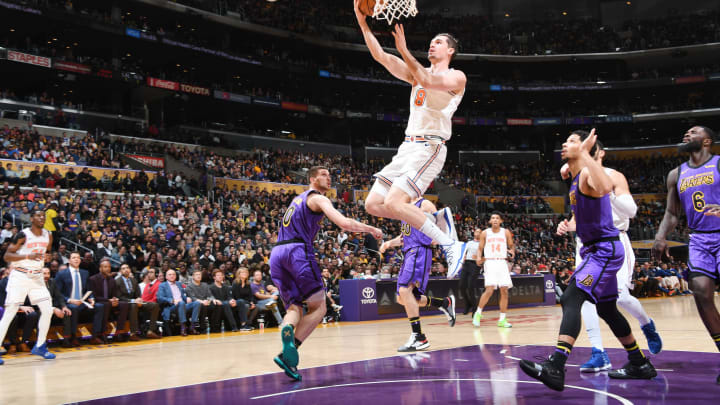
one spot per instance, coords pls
(362, 195)
(556, 202)
(650, 198)
(236, 184)
(25, 168)
(648, 244)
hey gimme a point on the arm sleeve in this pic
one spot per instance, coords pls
(626, 205)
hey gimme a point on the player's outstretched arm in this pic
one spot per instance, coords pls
(479, 259)
(455, 80)
(567, 226)
(623, 200)
(395, 242)
(392, 63)
(318, 202)
(670, 220)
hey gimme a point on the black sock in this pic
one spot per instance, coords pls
(415, 324)
(562, 351)
(297, 343)
(635, 355)
(438, 302)
(716, 338)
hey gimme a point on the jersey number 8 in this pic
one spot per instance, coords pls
(420, 97)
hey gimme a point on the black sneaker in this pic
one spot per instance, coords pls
(630, 371)
(546, 372)
(448, 309)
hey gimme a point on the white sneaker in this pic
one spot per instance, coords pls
(414, 344)
(337, 307)
(454, 254)
(444, 221)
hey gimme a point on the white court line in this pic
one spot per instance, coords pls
(620, 399)
(503, 351)
(513, 358)
(461, 360)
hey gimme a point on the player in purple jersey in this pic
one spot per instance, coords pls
(293, 267)
(695, 187)
(595, 279)
(413, 279)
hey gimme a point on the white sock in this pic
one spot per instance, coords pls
(430, 229)
(479, 311)
(46, 314)
(633, 306)
(592, 324)
(502, 317)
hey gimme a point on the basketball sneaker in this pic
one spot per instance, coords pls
(476, 318)
(448, 309)
(454, 254)
(444, 221)
(504, 324)
(599, 361)
(289, 371)
(42, 351)
(546, 372)
(415, 343)
(289, 352)
(645, 371)
(653, 338)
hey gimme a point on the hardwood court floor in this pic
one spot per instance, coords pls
(88, 373)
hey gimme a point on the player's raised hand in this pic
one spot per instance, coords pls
(358, 14)
(565, 171)
(589, 142)
(383, 247)
(399, 34)
(376, 233)
(563, 227)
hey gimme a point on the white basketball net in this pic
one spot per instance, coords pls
(394, 9)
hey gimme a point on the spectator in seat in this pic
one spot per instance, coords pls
(199, 292)
(266, 296)
(224, 298)
(60, 309)
(73, 285)
(142, 297)
(243, 294)
(639, 279)
(172, 297)
(105, 291)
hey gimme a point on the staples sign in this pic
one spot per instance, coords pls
(30, 59)
(163, 84)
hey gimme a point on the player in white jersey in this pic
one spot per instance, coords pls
(623, 209)
(497, 245)
(435, 95)
(27, 253)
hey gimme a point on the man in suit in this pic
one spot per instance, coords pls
(60, 309)
(171, 295)
(105, 292)
(73, 285)
(129, 291)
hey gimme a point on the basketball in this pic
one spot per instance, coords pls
(367, 7)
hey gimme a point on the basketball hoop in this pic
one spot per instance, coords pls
(394, 10)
